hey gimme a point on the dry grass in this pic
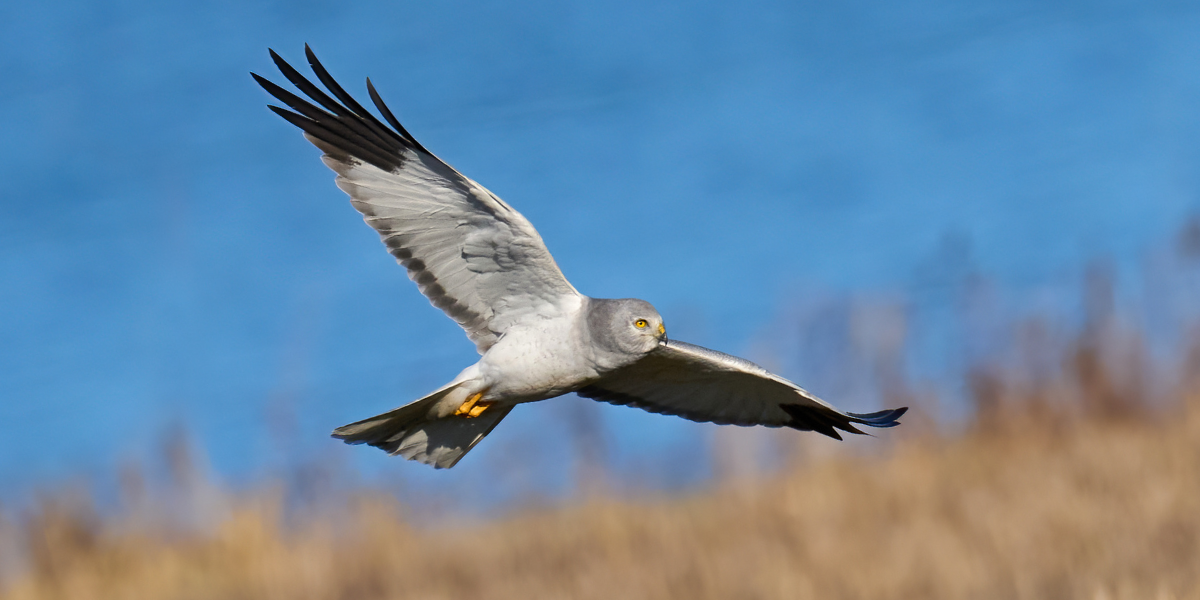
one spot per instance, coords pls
(1073, 481)
(1026, 507)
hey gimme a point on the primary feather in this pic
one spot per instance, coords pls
(471, 254)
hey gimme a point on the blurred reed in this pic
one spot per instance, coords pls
(1075, 474)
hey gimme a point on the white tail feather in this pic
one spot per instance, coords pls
(426, 430)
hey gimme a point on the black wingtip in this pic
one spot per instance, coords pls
(814, 418)
(345, 127)
(828, 422)
(883, 418)
(277, 59)
(387, 114)
(262, 81)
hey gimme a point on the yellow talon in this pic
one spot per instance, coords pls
(469, 405)
(472, 407)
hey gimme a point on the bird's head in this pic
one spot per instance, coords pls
(628, 326)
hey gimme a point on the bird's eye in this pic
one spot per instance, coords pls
(640, 323)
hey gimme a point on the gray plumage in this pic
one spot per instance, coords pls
(487, 268)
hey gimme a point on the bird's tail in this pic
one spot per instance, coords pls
(424, 430)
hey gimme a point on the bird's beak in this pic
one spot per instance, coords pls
(662, 332)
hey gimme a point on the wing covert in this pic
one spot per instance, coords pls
(704, 385)
(470, 253)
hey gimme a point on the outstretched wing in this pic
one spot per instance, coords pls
(471, 254)
(704, 385)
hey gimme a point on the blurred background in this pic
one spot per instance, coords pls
(988, 211)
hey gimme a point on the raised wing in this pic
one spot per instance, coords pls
(704, 385)
(471, 254)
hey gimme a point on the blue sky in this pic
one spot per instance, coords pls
(173, 254)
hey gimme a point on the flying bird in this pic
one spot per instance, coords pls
(486, 267)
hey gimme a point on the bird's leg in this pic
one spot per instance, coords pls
(479, 408)
(466, 407)
(473, 407)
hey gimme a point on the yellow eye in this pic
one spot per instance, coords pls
(640, 323)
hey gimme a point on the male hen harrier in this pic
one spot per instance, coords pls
(485, 265)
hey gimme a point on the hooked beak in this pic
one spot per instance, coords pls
(662, 333)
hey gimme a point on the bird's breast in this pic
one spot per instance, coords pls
(536, 361)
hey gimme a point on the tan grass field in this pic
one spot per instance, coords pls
(1082, 481)
(1030, 505)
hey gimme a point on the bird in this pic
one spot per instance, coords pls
(484, 265)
